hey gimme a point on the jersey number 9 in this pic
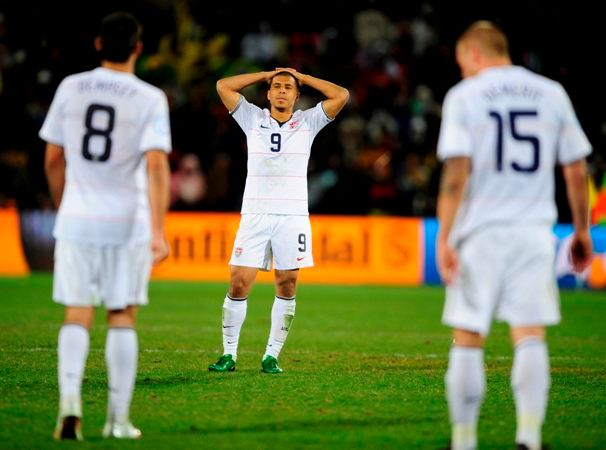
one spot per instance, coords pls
(276, 140)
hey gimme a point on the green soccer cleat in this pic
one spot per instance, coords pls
(270, 365)
(225, 363)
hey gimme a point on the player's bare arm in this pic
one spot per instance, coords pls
(452, 186)
(575, 175)
(229, 88)
(158, 172)
(54, 166)
(336, 96)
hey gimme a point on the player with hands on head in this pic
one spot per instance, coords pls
(275, 221)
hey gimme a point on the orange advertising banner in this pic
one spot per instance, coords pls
(597, 272)
(346, 249)
(12, 259)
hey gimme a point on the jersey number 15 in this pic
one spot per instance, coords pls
(514, 118)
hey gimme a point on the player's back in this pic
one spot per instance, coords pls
(102, 119)
(515, 126)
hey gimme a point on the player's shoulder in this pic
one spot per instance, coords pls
(74, 79)
(545, 82)
(459, 90)
(249, 107)
(311, 110)
(148, 89)
(553, 91)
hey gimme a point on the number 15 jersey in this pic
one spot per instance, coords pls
(276, 182)
(515, 126)
(105, 121)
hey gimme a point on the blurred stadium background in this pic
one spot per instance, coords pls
(395, 57)
(365, 364)
(378, 159)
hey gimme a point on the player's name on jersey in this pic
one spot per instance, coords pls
(113, 87)
(493, 92)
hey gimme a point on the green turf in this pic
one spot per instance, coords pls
(364, 369)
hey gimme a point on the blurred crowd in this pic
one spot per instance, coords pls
(377, 158)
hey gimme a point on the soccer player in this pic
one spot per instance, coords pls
(275, 219)
(503, 131)
(108, 136)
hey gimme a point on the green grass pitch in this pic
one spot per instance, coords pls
(364, 369)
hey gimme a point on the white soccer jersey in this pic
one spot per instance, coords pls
(277, 158)
(105, 121)
(515, 126)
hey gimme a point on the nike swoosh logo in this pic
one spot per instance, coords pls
(299, 259)
(264, 127)
(228, 326)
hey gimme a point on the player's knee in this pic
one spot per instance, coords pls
(519, 334)
(122, 317)
(286, 287)
(465, 338)
(238, 287)
(80, 316)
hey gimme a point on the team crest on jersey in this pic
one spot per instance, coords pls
(238, 251)
(294, 124)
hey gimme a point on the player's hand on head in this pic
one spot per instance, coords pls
(270, 74)
(159, 249)
(290, 70)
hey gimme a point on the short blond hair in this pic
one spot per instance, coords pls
(489, 38)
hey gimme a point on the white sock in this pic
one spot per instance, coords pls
(465, 386)
(121, 352)
(530, 381)
(234, 313)
(72, 350)
(282, 315)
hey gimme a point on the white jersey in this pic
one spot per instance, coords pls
(515, 126)
(277, 158)
(105, 121)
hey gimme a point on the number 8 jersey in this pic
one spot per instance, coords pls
(105, 121)
(515, 126)
(278, 154)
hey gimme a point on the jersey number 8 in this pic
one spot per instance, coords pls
(100, 132)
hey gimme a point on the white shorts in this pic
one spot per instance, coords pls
(91, 275)
(506, 273)
(261, 236)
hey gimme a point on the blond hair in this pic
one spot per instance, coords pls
(488, 37)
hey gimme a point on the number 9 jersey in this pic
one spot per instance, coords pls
(515, 126)
(278, 155)
(105, 121)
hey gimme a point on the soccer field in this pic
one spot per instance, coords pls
(364, 369)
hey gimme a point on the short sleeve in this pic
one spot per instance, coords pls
(454, 139)
(156, 130)
(52, 130)
(317, 118)
(244, 113)
(573, 144)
